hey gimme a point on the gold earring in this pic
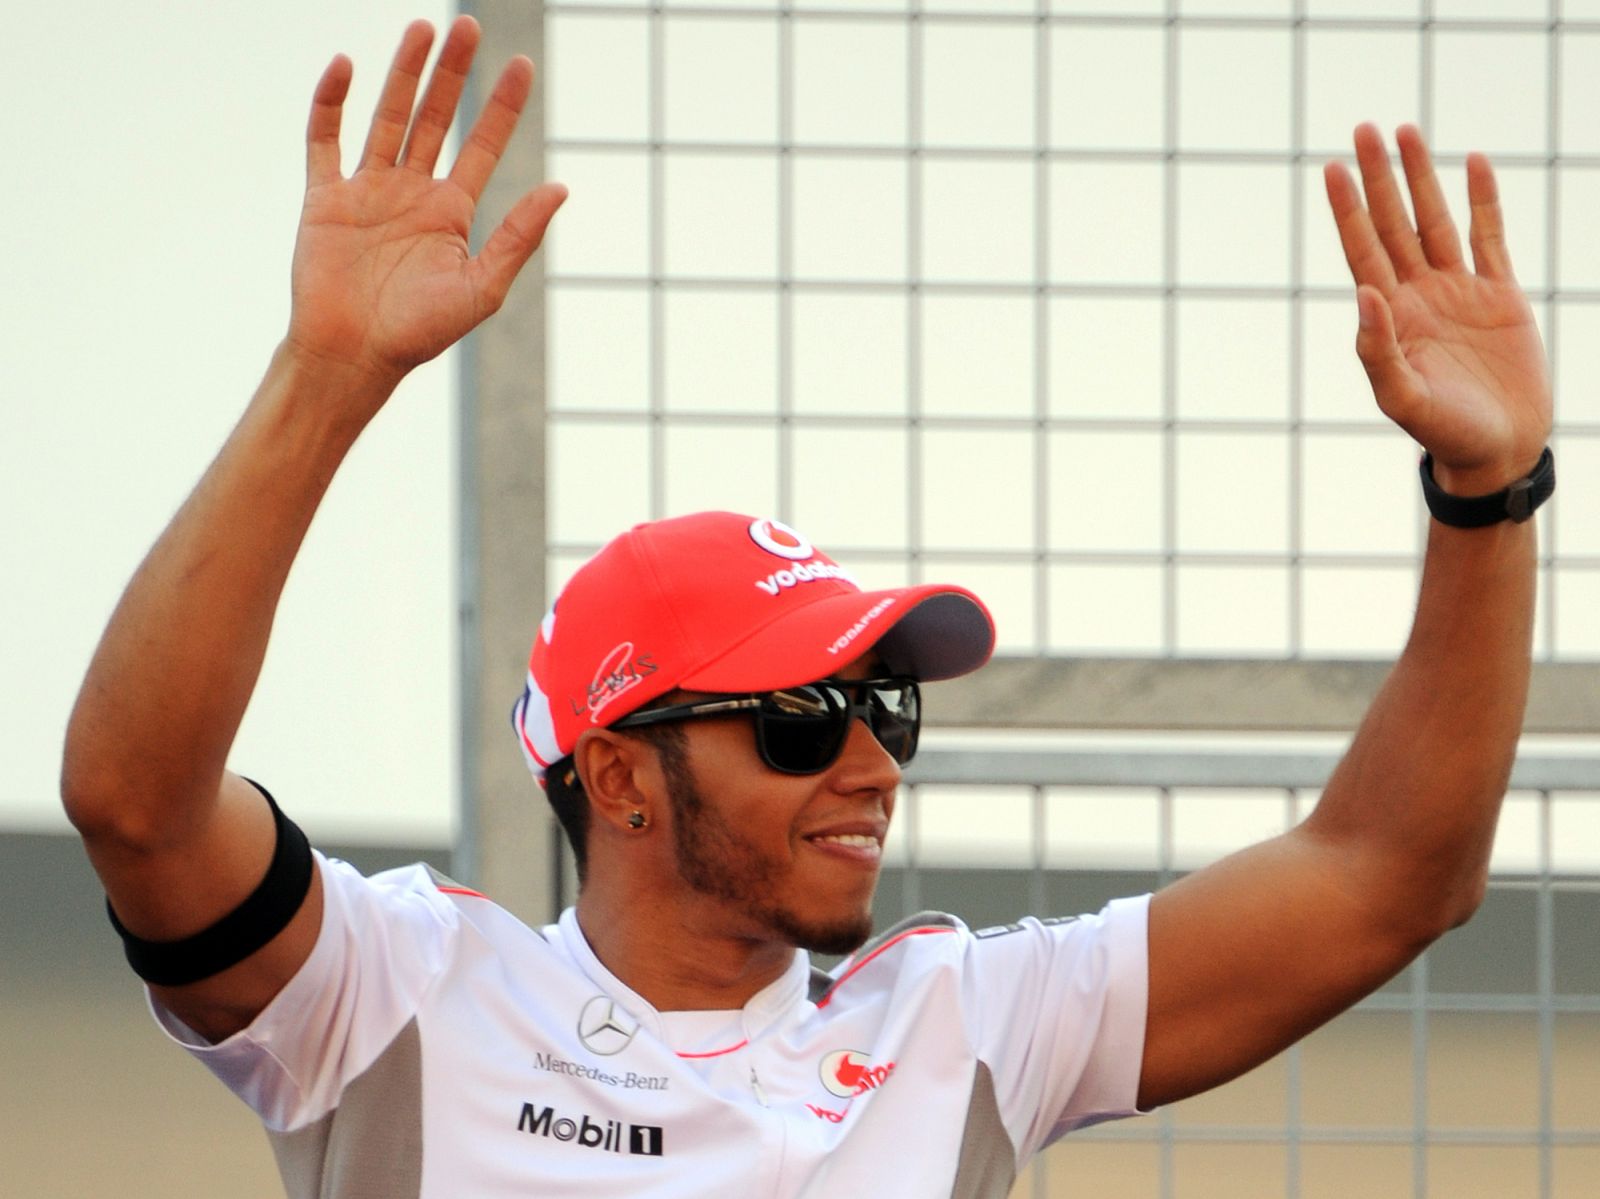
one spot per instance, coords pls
(636, 820)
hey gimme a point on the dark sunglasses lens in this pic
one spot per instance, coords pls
(802, 728)
(896, 716)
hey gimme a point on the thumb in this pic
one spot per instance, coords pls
(1398, 388)
(511, 245)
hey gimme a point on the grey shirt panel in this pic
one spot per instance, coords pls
(370, 1146)
(988, 1164)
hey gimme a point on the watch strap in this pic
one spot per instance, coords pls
(1515, 503)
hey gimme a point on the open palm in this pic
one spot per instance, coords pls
(1454, 355)
(383, 276)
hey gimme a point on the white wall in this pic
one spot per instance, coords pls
(153, 184)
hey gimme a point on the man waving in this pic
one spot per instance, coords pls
(719, 715)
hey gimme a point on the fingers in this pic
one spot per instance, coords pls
(1487, 233)
(322, 128)
(439, 102)
(491, 133)
(1387, 209)
(393, 114)
(1379, 241)
(1436, 230)
(1369, 261)
(513, 243)
(1398, 388)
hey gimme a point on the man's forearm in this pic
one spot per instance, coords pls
(168, 685)
(1419, 791)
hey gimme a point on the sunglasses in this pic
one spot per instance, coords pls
(802, 730)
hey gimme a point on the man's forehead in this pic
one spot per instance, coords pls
(868, 665)
(865, 666)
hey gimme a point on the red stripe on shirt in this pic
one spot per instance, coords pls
(889, 944)
(718, 1052)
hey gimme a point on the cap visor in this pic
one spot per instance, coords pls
(933, 631)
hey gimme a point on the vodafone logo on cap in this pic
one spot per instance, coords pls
(847, 1073)
(778, 538)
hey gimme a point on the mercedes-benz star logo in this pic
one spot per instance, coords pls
(604, 1028)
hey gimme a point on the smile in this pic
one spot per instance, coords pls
(860, 849)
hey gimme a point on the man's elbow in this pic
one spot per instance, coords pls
(1445, 906)
(1466, 901)
(91, 807)
(90, 783)
(103, 806)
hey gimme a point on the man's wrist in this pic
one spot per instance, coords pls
(1455, 500)
(345, 395)
(1485, 478)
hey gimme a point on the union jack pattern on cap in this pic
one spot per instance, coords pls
(721, 602)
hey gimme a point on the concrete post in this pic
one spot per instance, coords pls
(507, 839)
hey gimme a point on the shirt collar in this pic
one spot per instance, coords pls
(762, 1011)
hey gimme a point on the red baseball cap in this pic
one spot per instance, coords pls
(720, 602)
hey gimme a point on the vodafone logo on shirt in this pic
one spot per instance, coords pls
(847, 1073)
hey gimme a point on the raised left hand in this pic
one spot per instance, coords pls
(1454, 356)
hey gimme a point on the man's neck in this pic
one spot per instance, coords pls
(680, 957)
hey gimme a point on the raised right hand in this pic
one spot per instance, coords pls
(383, 278)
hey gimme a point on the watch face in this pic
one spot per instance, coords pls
(1519, 500)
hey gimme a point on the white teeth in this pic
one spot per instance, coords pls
(856, 840)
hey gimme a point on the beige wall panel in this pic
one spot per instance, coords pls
(1347, 1171)
(1577, 1172)
(1229, 1171)
(1483, 1172)
(1356, 1072)
(1483, 1071)
(95, 1102)
(1105, 1169)
(1575, 1098)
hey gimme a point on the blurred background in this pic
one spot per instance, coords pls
(1037, 297)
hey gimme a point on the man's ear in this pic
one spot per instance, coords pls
(620, 776)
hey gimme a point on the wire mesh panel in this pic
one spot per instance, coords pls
(1469, 1074)
(1043, 297)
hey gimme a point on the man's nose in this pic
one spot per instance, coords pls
(864, 764)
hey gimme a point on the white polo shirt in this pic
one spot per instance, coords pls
(434, 1046)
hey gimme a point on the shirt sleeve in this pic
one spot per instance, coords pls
(382, 942)
(1057, 1012)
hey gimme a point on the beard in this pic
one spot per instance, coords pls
(715, 860)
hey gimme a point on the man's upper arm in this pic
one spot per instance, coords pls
(167, 891)
(1255, 951)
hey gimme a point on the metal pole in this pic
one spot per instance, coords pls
(507, 838)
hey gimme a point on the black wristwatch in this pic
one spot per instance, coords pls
(1515, 503)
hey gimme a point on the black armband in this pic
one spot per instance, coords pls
(264, 914)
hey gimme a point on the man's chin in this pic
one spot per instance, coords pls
(837, 937)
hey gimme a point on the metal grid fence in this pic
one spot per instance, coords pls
(1039, 297)
(1469, 1074)
(1064, 344)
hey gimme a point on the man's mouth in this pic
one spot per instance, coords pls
(856, 840)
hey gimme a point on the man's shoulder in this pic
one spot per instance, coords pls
(938, 940)
(420, 897)
(882, 945)
(921, 922)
